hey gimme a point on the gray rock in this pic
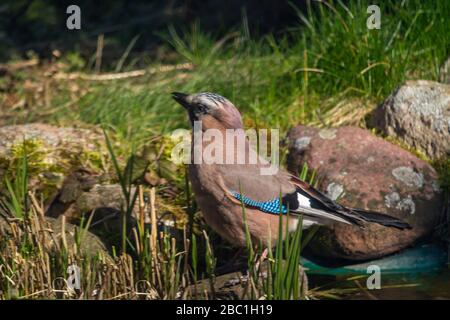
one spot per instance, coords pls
(81, 195)
(418, 114)
(90, 244)
(102, 196)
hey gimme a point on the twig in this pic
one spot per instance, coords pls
(153, 220)
(63, 232)
(141, 207)
(122, 75)
(14, 66)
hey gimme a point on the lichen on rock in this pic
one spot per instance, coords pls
(302, 143)
(335, 190)
(327, 134)
(408, 176)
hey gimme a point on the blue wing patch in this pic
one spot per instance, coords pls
(272, 206)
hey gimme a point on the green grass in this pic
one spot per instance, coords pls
(284, 79)
(17, 198)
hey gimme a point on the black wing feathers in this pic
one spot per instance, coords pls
(355, 216)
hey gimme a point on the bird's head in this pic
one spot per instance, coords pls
(213, 110)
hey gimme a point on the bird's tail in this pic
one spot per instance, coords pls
(380, 218)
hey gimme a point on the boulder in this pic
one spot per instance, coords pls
(90, 244)
(53, 153)
(418, 114)
(81, 194)
(364, 171)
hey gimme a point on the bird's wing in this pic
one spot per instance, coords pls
(281, 192)
(248, 180)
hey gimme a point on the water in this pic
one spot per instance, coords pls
(419, 273)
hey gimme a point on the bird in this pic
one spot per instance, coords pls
(225, 192)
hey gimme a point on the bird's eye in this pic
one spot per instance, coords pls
(202, 108)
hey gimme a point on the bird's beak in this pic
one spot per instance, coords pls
(181, 98)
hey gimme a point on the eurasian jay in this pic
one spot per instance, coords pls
(221, 189)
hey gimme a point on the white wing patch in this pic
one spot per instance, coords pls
(305, 207)
(303, 201)
(306, 223)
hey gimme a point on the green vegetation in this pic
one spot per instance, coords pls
(284, 79)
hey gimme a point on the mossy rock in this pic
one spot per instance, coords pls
(52, 153)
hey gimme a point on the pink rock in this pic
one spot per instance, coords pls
(364, 171)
